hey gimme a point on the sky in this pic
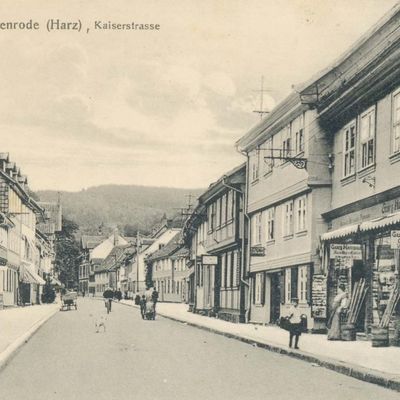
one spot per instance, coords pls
(162, 107)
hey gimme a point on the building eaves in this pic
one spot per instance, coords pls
(276, 120)
(173, 245)
(233, 177)
(27, 199)
(368, 69)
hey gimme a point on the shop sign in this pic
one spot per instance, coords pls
(319, 296)
(257, 251)
(350, 251)
(395, 240)
(209, 260)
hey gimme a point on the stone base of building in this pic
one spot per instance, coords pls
(231, 316)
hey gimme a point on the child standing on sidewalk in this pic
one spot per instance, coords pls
(295, 324)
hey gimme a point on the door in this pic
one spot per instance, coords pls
(275, 297)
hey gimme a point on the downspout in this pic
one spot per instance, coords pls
(245, 256)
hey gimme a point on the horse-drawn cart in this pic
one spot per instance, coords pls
(68, 300)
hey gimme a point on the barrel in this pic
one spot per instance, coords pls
(348, 332)
(380, 336)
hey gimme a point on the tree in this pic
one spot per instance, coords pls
(68, 254)
(49, 294)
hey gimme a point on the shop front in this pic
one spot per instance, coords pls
(31, 284)
(363, 258)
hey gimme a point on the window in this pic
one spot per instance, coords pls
(229, 269)
(303, 283)
(367, 138)
(255, 164)
(236, 269)
(396, 123)
(286, 143)
(259, 288)
(271, 224)
(288, 219)
(349, 149)
(223, 270)
(218, 211)
(298, 130)
(288, 284)
(268, 163)
(294, 282)
(223, 209)
(212, 222)
(257, 229)
(301, 220)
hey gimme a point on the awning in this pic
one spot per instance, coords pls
(28, 274)
(380, 222)
(339, 233)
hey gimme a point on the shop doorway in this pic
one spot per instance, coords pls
(275, 310)
(358, 273)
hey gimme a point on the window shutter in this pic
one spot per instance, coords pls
(309, 283)
(282, 286)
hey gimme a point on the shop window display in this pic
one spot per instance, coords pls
(385, 275)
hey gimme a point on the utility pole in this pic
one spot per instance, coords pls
(261, 111)
(137, 259)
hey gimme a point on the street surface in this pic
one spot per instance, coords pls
(162, 359)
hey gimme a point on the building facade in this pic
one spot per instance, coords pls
(20, 282)
(361, 114)
(288, 187)
(167, 270)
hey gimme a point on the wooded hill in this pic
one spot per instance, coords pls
(128, 207)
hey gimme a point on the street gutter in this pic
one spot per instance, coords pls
(355, 371)
(9, 353)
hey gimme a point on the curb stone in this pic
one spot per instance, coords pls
(10, 351)
(354, 371)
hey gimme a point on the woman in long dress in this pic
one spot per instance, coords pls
(339, 303)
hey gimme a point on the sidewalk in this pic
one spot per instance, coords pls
(18, 324)
(358, 359)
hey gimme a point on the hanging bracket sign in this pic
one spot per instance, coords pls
(350, 251)
(395, 240)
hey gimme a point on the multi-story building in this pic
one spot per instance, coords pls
(216, 235)
(167, 270)
(193, 237)
(86, 275)
(136, 268)
(225, 238)
(95, 250)
(288, 187)
(19, 277)
(359, 106)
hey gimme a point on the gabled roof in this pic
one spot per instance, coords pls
(171, 247)
(116, 257)
(180, 253)
(90, 242)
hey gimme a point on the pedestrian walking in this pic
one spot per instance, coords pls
(108, 296)
(154, 298)
(295, 327)
(143, 306)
